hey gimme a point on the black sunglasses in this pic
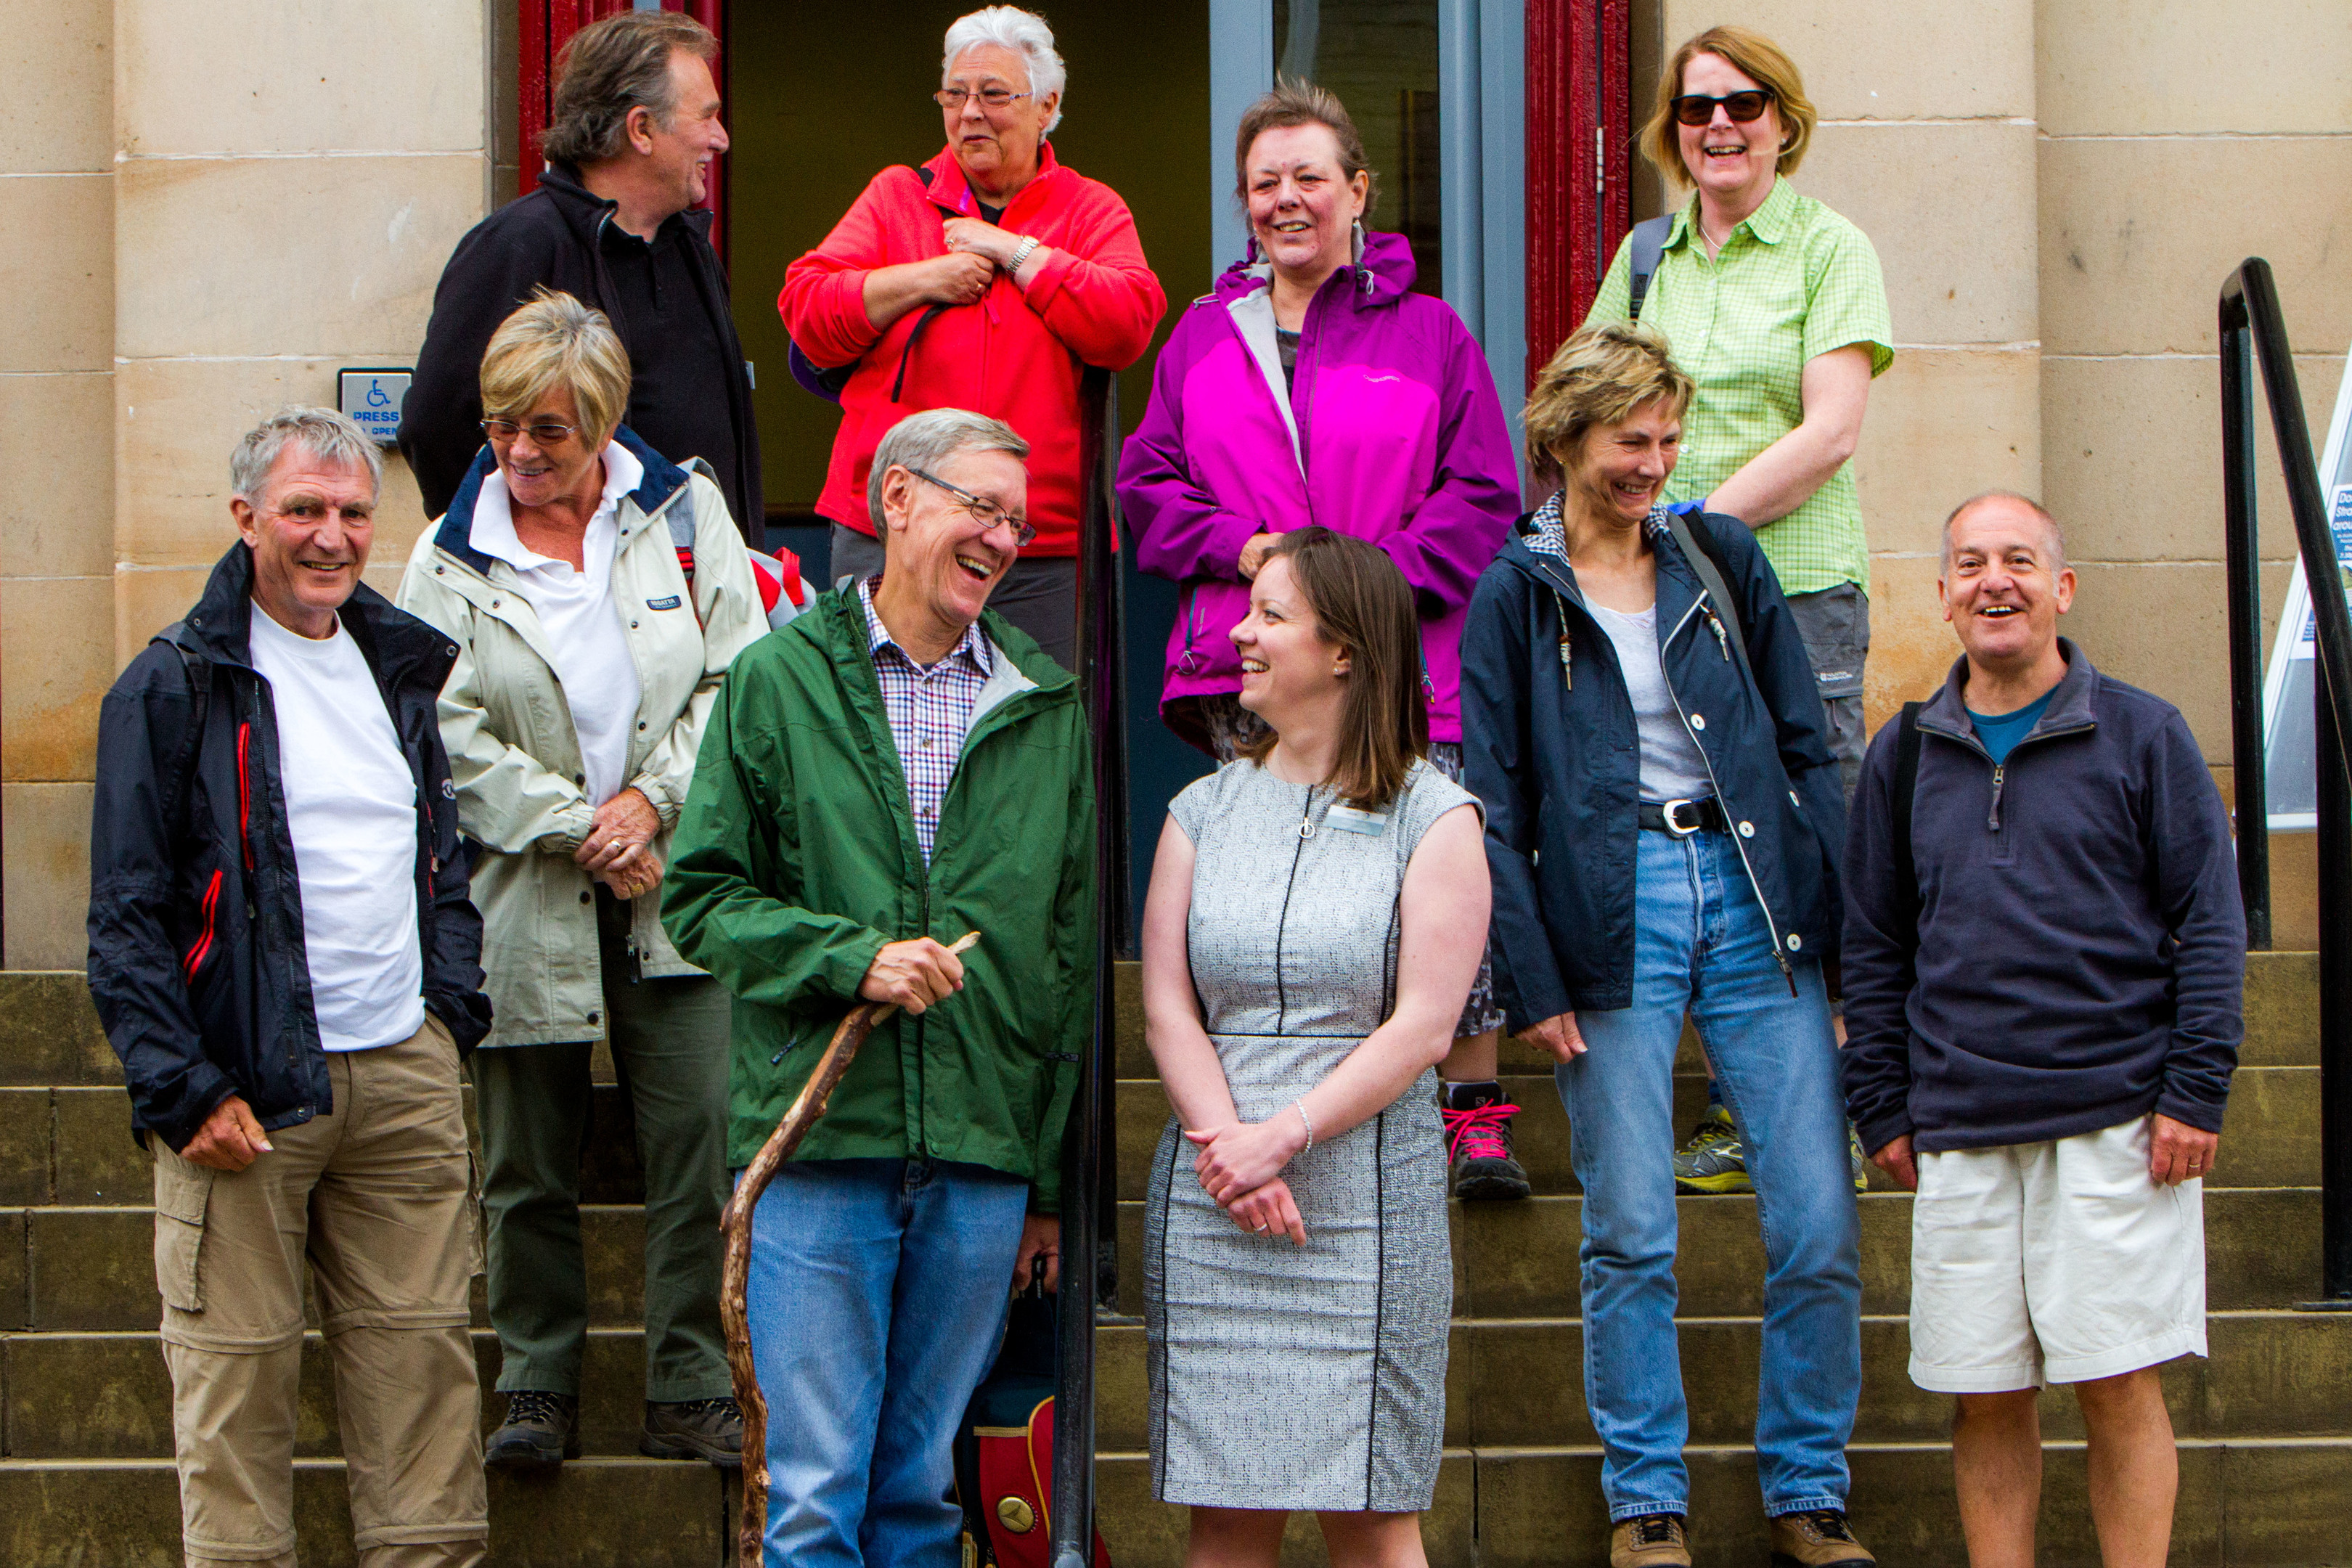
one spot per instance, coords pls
(1698, 109)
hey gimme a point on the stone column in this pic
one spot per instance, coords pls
(57, 441)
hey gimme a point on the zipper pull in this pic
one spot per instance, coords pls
(1993, 821)
(1567, 665)
(1722, 642)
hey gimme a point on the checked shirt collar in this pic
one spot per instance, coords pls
(930, 709)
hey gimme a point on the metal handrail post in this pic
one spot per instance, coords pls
(1085, 1174)
(2243, 535)
(2250, 296)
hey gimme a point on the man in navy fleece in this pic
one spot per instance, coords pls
(2042, 1010)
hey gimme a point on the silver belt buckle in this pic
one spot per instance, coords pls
(1674, 826)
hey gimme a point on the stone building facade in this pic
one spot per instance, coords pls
(211, 207)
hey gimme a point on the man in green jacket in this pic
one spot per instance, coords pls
(893, 769)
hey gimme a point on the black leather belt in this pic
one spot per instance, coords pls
(1683, 817)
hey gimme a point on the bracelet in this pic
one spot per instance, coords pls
(1022, 252)
(1300, 1106)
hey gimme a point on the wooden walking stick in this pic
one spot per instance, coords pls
(734, 1311)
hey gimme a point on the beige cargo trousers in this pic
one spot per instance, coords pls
(377, 1196)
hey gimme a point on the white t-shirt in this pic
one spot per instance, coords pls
(1672, 768)
(351, 803)
(582, 624)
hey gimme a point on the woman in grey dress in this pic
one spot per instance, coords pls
(1317, 913)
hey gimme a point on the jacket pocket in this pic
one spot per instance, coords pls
(207, 931)
(183, 1191)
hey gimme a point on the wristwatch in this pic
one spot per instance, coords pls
(1022, 252)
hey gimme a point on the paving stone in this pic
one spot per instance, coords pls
(28, 1146)
(98, 1161)
(50, 1034)
(93, 1269)
(1141, 1532)
(1544, 1507)
(15, 1301)
(2287, 1501)
(2270, 1134)
(2281, 1010)
(607, 1513)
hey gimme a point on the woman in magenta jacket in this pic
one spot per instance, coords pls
(1313, 386)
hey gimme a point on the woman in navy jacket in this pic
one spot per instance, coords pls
(1663, 821)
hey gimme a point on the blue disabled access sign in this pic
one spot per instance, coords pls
(371, 399)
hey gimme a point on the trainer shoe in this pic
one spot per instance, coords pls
(1818, 1539)
(1715, 1160)
(540, 1428)
(1861, 1161)
(1479, 1146)
(708, 1429)
(1650, 1540)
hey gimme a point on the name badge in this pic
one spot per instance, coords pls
(1347, 819)
(669, 602)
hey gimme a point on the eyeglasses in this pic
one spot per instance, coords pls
(543, 433)
(985, 512)
(1698, 109)
(952, 97)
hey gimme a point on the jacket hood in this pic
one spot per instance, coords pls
(454, 533)
(944, 183)
(220, 626)
(1382, 276)
(1947, 712)
(584, 211)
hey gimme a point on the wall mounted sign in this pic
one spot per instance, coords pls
(371, 399)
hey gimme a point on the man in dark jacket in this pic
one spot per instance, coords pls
(2043, 984)
(283, 954)
(617, 220)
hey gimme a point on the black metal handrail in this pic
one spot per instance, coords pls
(1089, 1193)
(2251, 328)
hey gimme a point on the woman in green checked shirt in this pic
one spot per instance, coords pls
(1776, 308)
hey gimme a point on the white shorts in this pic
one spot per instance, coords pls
(2055, 1262)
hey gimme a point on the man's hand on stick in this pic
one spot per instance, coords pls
(1041, 1248)
(912, 975)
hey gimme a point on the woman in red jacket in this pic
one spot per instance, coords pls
(985, 279)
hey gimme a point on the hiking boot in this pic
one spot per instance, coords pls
(1818, 1539)
(1715, 1160)
(1861, 1160)
(1478, 1143)
(708, 1429)
(540, 1428)
(1651, 1540)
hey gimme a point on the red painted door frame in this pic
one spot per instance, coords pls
(1579, 161)
(546, 27)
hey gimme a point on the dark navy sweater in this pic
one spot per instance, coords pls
(2079, 954)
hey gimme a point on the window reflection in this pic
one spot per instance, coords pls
(1380, 58)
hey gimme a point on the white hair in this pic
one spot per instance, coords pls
(926, 440)
(1022, 32)
(327, 433)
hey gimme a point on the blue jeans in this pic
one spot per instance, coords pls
(1701, 945)
(878, 1297)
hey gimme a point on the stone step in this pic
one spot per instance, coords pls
(2242, 1504)
(593, 1513)
(73, 1146)
(91, 1269)
(1509, 1384)
(1520, 1384)
(2269, 1139)
(1519, 1259)
(50, 1034)
(108, 1395)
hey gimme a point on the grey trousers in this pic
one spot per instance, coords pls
(1835, 625)
(1040, 595)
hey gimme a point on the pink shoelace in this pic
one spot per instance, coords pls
(1478, 1132)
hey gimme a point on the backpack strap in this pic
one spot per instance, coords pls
(680, 517)
(1700, 552)
(1649, 244)
(1906, 785)
(199, 671)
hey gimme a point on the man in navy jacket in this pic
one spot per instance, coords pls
(2042, 993)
